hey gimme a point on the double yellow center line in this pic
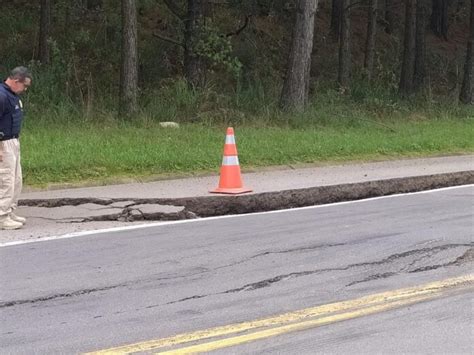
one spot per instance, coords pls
(235, 334)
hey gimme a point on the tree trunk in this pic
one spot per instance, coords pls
(129, 66)
(439, 18)
(45, 30)
(336, 14)
(296, 85)
(420, 51)
(344, 70)
(467, 89)
(389, 16)
(408, 63)
(193, 62)
(370, 40)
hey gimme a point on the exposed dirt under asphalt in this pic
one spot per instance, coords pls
(165, 209)
(71, 210)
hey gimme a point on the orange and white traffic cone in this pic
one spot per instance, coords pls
(230, 181)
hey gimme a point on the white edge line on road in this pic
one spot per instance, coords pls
(149, 225)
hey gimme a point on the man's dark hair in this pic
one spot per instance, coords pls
(20, 73)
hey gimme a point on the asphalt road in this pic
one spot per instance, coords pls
(106, 290)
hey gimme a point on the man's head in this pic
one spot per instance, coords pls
(19, 80)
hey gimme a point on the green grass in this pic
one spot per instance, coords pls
(97, 153)
(68, 142)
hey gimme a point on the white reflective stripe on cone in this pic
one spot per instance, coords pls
(232, 160)
(230, 139)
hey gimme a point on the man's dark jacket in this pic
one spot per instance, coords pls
(11, 113)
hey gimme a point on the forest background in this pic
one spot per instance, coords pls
(302, 81)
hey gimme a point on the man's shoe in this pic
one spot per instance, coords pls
(10, 224)
(16, 218)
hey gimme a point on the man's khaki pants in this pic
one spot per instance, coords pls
(10, 176)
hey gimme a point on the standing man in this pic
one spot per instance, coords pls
(11, 115)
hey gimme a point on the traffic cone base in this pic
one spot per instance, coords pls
(224, 190)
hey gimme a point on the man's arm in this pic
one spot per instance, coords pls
(3, 111)
(3, 106)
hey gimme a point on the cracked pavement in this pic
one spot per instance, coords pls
(141, 284)
(411, 261)
(392, 265)
(62, 211)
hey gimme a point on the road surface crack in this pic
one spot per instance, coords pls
(271, 252)
(466, 257)
(307, 248)
(426, 253)
(57, 296)
(93, 290)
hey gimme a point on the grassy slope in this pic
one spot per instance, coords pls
(77, 153)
